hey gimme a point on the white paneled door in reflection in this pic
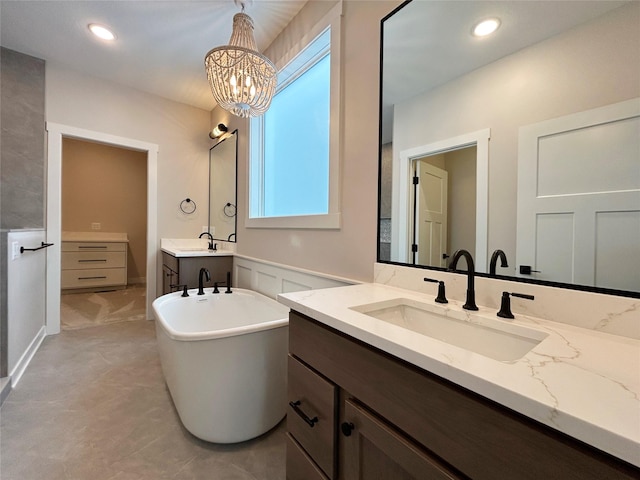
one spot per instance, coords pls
(579, 198)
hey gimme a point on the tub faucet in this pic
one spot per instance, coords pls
(470, 304)
(228, 290)
(205, 272)
(494, 259)
(211, 245)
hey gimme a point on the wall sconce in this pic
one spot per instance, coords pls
(218, 131)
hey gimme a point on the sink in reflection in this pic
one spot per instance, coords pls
(495, 339)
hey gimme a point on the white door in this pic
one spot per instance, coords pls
(431, 214)
(579, 198)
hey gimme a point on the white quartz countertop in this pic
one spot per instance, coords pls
(189, 247)
(581, 382)
(196, 252)
(94, 237)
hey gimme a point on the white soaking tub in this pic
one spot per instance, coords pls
(224, 358)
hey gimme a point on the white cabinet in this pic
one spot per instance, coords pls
(94, 261)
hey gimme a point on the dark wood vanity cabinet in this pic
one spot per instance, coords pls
(364, 414)
(185, 270)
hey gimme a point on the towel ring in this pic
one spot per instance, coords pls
(230, 210)
(188, 206)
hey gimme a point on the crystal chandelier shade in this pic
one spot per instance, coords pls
(242, 80)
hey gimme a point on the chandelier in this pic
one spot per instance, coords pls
(242, 80)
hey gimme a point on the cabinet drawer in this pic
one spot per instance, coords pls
(299, 465)
(85, 260)
(96, 277)
(312, 414)
(94, 247)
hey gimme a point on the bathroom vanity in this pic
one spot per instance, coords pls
(93, 260)
(371, 399)
(181, 266)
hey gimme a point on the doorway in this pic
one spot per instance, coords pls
(444, 218)
(104, 198)
(56, 133)
(402, 194)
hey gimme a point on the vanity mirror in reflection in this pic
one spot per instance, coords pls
(547, 112)
(223, 188)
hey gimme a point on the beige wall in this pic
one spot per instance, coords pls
(590, 66)
(107, 185)
(351, 251)
(180, 131)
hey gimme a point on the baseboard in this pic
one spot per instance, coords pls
(25, 359)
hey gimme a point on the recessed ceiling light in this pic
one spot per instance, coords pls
(486, 27)
(101, 32)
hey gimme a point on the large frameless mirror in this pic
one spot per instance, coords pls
(525, 141)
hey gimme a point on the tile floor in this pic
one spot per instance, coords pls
(81, 310)
(93, 405)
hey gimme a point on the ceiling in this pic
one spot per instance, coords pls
(160, 45)
(429, 43)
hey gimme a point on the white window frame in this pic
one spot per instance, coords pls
(332, 219)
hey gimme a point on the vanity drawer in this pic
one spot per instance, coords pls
(312, 414)
(299, 465)
(85, 260)
(94, 247)
(95, 277)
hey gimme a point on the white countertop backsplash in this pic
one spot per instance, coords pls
(581, 380)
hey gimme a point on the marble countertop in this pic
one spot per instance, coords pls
(94, 237)
(581, 382)
(192, 247)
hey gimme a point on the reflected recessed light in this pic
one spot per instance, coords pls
(486, 27)
(101, 32)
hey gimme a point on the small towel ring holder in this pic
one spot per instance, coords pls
(230, 210)
(188, 206)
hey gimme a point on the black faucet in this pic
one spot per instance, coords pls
(200, 283)
(228, 290)
(470, 304)
(211, 245)
(494, 259)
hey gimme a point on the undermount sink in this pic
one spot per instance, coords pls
(495, 339)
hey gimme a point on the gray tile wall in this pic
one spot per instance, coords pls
(22, 160)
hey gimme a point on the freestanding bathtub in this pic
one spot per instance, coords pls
(224, 358)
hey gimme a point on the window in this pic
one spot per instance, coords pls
(294, 146)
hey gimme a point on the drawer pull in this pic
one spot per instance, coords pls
(310, 421)
(347, 428)
(92, 261)
(91, 278)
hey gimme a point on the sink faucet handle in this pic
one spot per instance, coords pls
(441, 298)
(505, 305)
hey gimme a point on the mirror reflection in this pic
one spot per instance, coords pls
(524, 141)
(222, 188)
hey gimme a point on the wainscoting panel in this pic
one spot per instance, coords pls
(26, 299)
(270, 279)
